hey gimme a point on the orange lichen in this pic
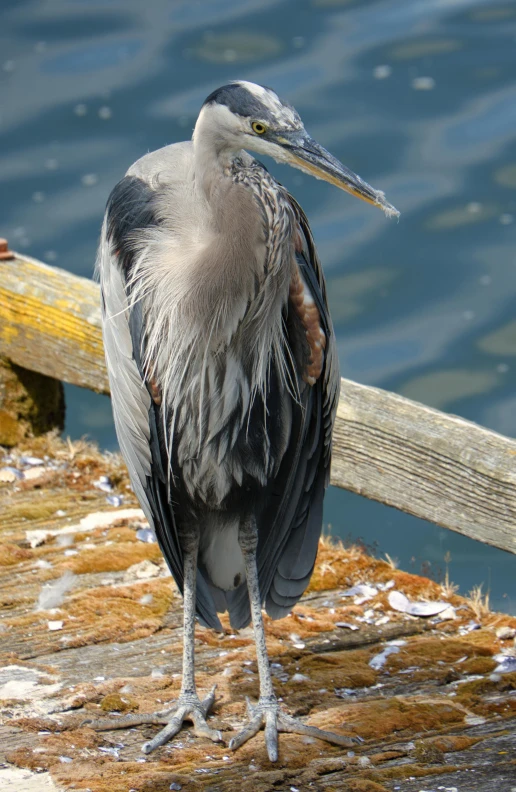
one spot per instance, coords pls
(430, 654)
(121, 533)
(364, 785)
(36, 724)
(338, 567)
(114, 558)
(454, 742)
(472, 692)
(97, 615)
(349, 669)
(12, 554)
(478, 665)
(377, 718)
(30, 511)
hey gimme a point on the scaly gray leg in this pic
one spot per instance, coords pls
(266, 713)
(188, 705)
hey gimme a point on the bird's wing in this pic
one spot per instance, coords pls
(291, 521)
(310, 265)
(299, 521)
(138, 419)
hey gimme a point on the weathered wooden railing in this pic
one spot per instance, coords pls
(388, 448)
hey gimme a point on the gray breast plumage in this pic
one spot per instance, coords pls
(215, 338)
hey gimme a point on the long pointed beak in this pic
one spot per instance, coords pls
(307, 155)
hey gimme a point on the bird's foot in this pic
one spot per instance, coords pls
(268, 715)
(188, 707)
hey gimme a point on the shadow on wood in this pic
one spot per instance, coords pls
(30, 403)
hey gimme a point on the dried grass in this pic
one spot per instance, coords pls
(478, 602)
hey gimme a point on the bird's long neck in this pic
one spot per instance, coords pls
(213, 154)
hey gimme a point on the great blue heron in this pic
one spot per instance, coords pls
(224, 375)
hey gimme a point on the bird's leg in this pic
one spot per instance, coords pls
(267, 713)
(188, 706)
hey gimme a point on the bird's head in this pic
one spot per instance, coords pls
(243, 115)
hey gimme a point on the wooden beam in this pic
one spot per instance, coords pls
(50, 322)
(425, 462)
(436, 466)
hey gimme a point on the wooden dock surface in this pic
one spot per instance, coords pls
(433, 712)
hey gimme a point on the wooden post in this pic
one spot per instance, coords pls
(30, 403)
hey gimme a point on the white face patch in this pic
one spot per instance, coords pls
(216, 119)
(264, 95)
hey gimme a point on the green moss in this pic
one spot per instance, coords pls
(116, 702)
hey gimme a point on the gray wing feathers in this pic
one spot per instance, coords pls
(290, 526)
(136, 420)
(130, 398)
(298, 553)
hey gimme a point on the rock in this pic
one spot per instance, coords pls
(398, 601)
(8, 475)
(35, 472)
(505, 633)
(141, 571)
(13, 779)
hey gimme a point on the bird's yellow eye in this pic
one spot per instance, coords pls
(259, 128)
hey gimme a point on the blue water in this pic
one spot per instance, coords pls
(418, 97)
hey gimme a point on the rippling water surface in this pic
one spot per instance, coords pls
(418, 97)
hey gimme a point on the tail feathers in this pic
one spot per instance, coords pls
(281, 598)
(206, 605)
(239, 607)
(300, 551)
(284, 594)
(289, 589)
(292, 574)
(278, 611)
(236, 602)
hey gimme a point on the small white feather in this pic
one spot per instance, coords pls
(52, 594)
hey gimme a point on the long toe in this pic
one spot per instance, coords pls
(249, 730)
(130, 720)
(271, 735)
(201, 729)
(166, 734)
(288, 724)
